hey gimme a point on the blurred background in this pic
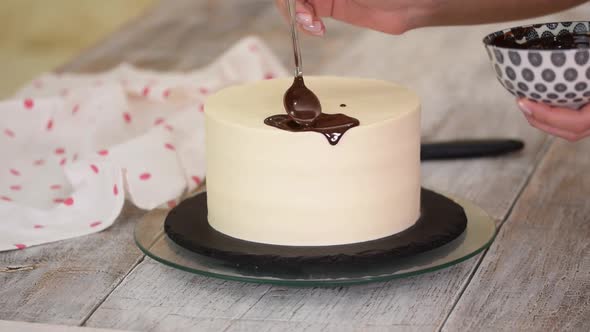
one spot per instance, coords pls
(38, 35)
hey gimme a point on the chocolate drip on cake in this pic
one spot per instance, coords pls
(333, 126)
(304, 113)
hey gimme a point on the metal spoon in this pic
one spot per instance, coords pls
(301, 104)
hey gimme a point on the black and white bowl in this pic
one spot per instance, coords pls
(558, 77)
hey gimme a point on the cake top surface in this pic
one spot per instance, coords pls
(369, 101)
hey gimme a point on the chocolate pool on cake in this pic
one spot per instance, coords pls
(294, 188)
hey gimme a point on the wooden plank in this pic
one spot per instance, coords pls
(64, 281)
(537, 276)
(157, 297)
(279, 326)
(34, 327)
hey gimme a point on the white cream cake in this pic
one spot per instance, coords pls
(279, 187)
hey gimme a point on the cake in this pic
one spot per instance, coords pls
(279, 187)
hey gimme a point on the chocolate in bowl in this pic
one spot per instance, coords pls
(565, 41)
(547, 63)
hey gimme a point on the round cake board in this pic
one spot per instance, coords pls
(478, 235)
(441, 221)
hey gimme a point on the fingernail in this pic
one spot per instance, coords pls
(524, 107)
(304, 19)
(316, 28)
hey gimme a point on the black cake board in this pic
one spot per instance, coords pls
(441, 221)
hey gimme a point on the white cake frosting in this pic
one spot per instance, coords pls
(293, 188)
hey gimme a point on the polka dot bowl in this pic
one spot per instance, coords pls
(558, 77)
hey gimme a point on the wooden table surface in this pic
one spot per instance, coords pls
(536, 275)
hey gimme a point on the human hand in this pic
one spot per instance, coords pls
(387, 16)
(398, 16)
(566, 123)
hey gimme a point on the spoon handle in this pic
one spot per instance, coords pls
(295, 38)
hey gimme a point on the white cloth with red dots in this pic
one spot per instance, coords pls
(74, 147)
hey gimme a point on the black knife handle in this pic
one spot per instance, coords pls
(469, 148)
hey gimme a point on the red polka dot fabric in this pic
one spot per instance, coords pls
(76, 147)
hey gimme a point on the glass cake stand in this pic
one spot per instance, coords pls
(478, 235)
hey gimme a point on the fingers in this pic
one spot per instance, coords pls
(384, 16)
(562, 118)
(555, 131)
(307, 21)
(569, 124)
(389, 19)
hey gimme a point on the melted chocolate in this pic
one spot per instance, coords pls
(333, 126)
(561, 41)
(304, 113)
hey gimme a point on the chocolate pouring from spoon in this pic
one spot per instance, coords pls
(303, 108)
(301, 104)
